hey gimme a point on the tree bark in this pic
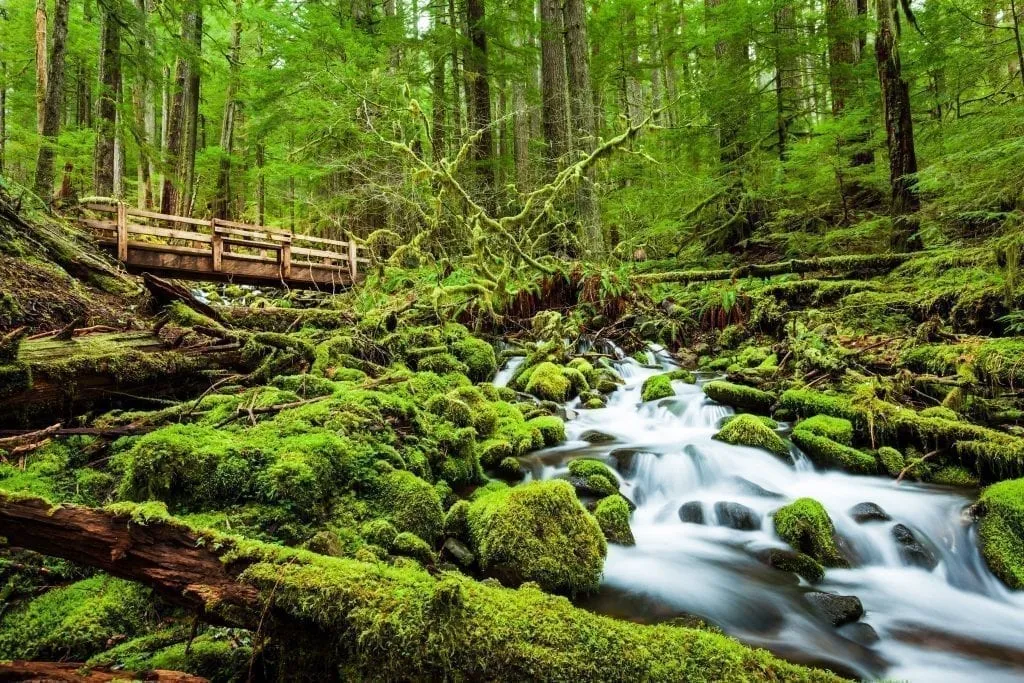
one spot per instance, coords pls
(843, 50)
(3, 116)
(42, 71)
(480, 112)
(899, 130)
(106, 103)
(145, 114)
(222, 202)
(179, 117)
(457, 129)
(191, 111)
(787, 75)
(521, 135)
(731, 79)
(553, 83)
(54, 95)
(439, 114)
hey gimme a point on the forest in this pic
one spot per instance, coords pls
(504, 340)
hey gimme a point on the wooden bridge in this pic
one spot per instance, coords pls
(225, 251)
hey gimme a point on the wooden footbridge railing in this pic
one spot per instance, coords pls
(219, 250)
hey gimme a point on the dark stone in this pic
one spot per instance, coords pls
(624, 459)
(692, 512)
(912, 550)
(868, 512)
(594, 436)
(861, 633)
(751, 489)
(456, 550)
(791, 561)
(737, 516)
(837, 609)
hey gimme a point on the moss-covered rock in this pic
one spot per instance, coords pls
(796, 562)
(411, 545)
(592, 477)
(552, 429)
(835, 428)
(891, 461)
(954, 475)
(411, 504)
(748, 430)
(612, 514)
(766, 421)
(548, 383)
(657, 387)
(739, 396)
(478, 356)
(1001, 531)
(538, 532)
(805, 525)
(827, 453)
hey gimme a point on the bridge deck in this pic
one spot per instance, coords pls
(217, 250)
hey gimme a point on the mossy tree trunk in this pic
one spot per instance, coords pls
(52, 105)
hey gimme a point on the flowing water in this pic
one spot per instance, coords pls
(954, 622)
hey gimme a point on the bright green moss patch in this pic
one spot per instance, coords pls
(551, 428)
(891, 460)
(538, 532)
(806, 527)
(218, 654)
(748, 430)
(548, 383)
(828, 453)
(478, 356)
(954, 475)
(612, 514)
(411, 504)
(834, 428)
(766, 421)
(1001, 531)
(657, 387)
(739, 396)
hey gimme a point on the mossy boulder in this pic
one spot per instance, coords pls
(739, 396)
(954, 475)
(891, 461)
(478, 356)
(838, 429)
(552, 428)
(657, 387)
(828, 453)
(612, 514)
(411, 504)
(538, 532)
(411, 545)
(805, 525)
(442, 364)
(792, 561)
(749, 430)
(592, 478)
(548, 383)
(1001, 531)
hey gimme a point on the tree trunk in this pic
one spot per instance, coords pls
(457, 129)
(843, 50)
(181, 120)
(632, 92)
(521, 135)
(480, 112)
(106, 103)
(731, 79)
(222, 202)
(899, 131)
(51, 111)
(553, 82)
(145, 115)
(437, 87)
(3, 117)
(42, 71)
(787, 75)
(581, 105)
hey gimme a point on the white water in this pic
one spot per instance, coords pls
(956, 622)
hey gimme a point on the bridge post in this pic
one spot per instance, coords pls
(217, 244)
(353, 263)
(286, 260)
(122, 233)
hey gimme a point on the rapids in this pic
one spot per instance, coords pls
(955, 622)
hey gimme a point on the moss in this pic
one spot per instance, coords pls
(954, 475)
(612, 514)
(1001, 531)
(766, 421)
(657, 387)
(379, 532)
(218, 654)
(682, 375)
(538, 532)
(442, 364)
(478, 356)
(15, 378)
(452, 409)
(828, 453)
(806, 527)
(75, 621)
(548, 383)
(739, 396)
(939, 411)
(748, 430)
(808, 402)
(411, 504)
(456, 521)
(796, 562)
(991, 460)
(592, 374)
(589, 468)
(891, 460)
(411, 545)
(551, 428)
(835, 428)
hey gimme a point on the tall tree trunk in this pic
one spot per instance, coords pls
(142, 106)
(3, 117)
(843, 50)
(731, 79)
(182, 124)
(899, 131)
(553, 82)
(787, 75)
(54, 97)
(439, 112)
(457, 129)
(581, 106)
(654, 50)
(480, 121)
(631, 67)
(521, 135)
(42, 72)
(1018, 42)
(106, 103)
(222, 202)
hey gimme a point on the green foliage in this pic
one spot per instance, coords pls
(749, 430)
(538, 532)
(806, 527)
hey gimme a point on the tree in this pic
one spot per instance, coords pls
(42, 71)
(222, 200)
(181, 116)
(480, 111)
(553, 82)
(104, 158)
(54, 97)
(843, 50)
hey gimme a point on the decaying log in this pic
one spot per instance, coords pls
(166, 292)
(59, 672)
(869, 263)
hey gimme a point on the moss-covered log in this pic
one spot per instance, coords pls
(387, 622)
(59, 672)
(864, 263)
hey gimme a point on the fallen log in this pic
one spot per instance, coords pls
(61, 672)
(864, 263)
(348, 618)
(166, 292)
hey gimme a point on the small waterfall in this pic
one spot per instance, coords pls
(955, 621)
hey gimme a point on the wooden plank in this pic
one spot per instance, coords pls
(136, 229)
(320, 240)
(248, 226)
(122, 233)
(339, 256)
(164, 217)
(353, 264)
(276, 237)
(286, 261)
(252, 244)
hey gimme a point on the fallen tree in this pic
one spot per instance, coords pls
(855, 263)
(75, 673)
(354, 618)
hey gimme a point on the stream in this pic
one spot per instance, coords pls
(953, 622)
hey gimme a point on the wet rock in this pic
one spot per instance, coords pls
(624, 459)
(868, 512)
(792, 561)
(737, 516)
(749, 488)
(692, 512)
(861, 633)
(457, 551)
(912, 550)
(837, 609)
(594, 436)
